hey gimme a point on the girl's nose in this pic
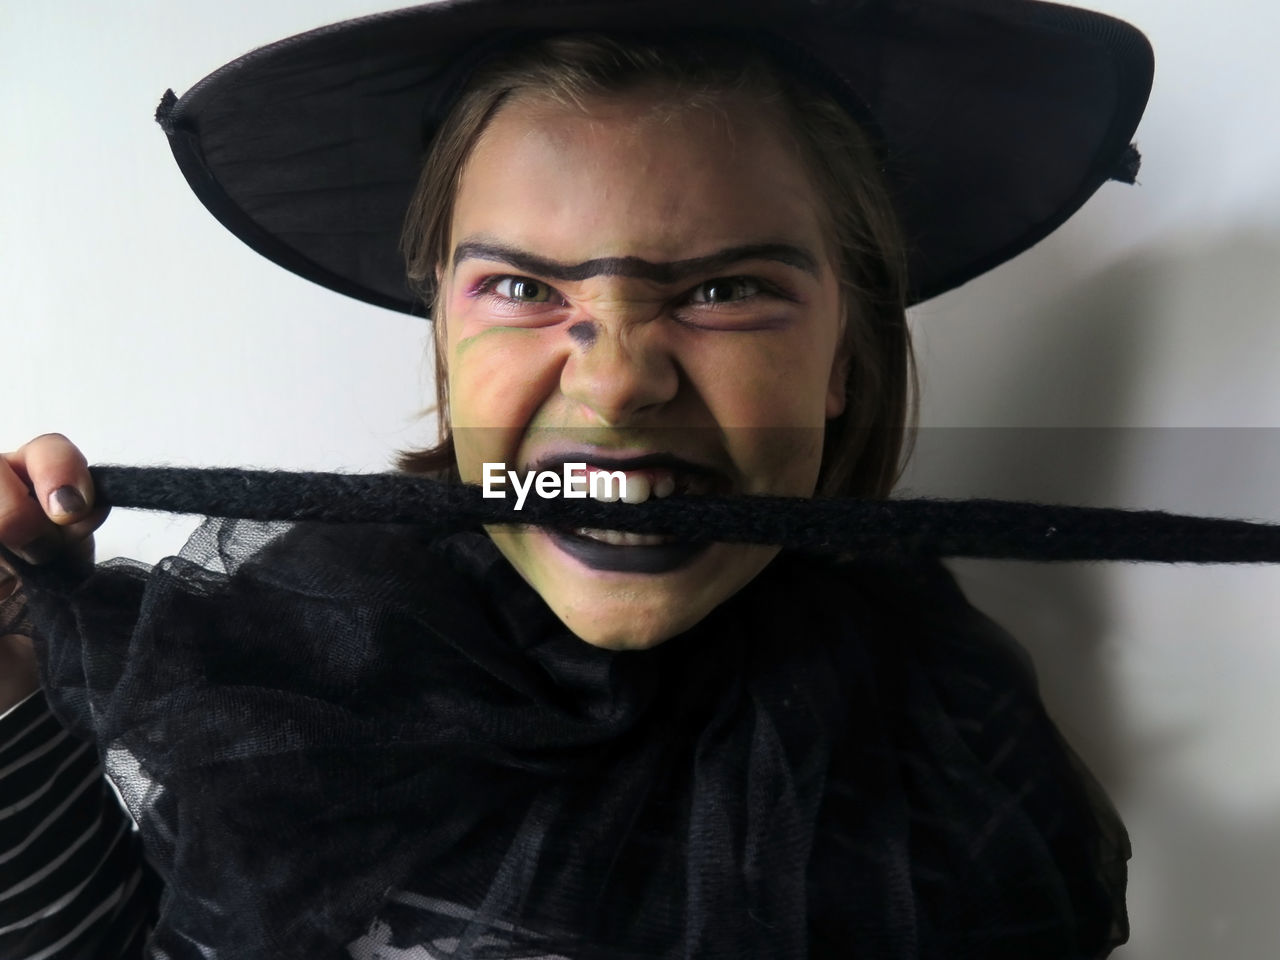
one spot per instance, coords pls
(620, 375)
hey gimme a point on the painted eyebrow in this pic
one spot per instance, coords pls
(666, 272)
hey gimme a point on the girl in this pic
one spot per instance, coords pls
(589, 250)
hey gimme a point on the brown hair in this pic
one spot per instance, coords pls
(865, 447)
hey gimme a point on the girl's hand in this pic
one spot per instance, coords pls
(46, 513)
(46, 501)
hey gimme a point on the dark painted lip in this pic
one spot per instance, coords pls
(659, 558)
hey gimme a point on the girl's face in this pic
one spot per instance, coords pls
(641, 285)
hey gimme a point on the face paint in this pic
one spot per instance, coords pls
(583, 334)
(666, 272)
(622, 220)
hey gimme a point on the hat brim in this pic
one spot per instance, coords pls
(999, 119)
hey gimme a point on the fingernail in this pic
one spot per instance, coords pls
(66, 500)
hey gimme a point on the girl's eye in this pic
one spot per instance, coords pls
(521, 290)
(725, 290)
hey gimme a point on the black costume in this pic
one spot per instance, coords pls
(333, 734)
(843, 760)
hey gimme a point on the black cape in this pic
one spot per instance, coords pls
(843, 760)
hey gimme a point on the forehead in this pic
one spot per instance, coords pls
(647, 173)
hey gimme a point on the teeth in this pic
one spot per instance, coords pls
(605, 490)
(642, 485)
(638, 487)
(620, 539)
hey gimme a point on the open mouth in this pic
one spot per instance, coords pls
(654, 475)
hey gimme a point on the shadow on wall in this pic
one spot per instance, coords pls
(1203, 885)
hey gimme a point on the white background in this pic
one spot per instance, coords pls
(1130, 359)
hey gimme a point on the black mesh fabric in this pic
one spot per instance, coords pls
(844, 760)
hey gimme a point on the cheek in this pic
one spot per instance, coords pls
(498, 380)
(770, 402)
(783, 461)
(486, 365)
(771, 383)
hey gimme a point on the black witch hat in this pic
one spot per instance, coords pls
(995, 119)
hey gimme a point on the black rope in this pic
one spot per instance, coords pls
(997, 529)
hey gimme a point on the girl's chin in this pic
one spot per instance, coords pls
(629, 596)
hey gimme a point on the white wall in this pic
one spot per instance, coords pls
(1130, 360)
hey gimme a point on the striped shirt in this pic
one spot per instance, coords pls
(73, 882)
